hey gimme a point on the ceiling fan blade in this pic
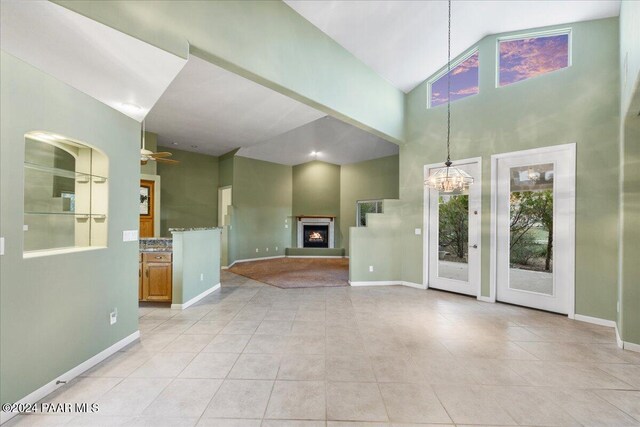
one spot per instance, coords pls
(168, 161)
(161, 154)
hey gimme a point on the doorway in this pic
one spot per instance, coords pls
(533, 227)
(224, 204)
(452, 238)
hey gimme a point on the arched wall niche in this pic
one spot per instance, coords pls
(66, 194)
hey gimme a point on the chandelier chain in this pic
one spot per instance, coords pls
(449, 86)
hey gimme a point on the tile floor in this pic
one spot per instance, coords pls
(255, 355)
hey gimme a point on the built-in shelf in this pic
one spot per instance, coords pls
(80, 177)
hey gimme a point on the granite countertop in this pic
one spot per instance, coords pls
(163, 249)
(156, 244)
(177, 230)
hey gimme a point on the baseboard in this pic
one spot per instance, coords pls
(618, 339)
(196, 298)
(414, 285)
(376, 283)
(314, 256)
(254, 259)
(388, 283)
(631, 346)
(595, 320)
(485, 299)
(51, 386)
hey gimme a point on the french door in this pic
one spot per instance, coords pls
(535, 228)
(452, 240)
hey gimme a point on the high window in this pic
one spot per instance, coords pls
(523, 58)
(363, 207)
(464, 81)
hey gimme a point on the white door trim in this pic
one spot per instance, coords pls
(571, 147)
(426, 219)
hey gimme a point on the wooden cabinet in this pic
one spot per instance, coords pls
(156, 276)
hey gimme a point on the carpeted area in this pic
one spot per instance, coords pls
(297, 272)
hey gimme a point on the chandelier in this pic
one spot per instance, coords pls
(449, 179)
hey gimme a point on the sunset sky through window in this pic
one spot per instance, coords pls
(464, 82)
(526, 58)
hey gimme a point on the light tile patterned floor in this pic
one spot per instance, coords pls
(255, 355)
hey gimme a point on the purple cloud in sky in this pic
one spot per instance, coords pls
(526, 58)
(464, 82)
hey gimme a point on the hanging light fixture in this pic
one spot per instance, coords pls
(449, 179)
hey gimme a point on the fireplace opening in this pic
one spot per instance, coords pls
(316, 236)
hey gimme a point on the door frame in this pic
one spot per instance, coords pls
(571, 233)
(220, 190)
(426, 218)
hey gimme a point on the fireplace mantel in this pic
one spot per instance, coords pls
(327, 220)
(316, 216)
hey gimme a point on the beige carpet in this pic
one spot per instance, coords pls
(297, 272)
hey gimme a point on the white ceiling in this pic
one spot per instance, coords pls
(217, 111)
(333, 141)
(406, 41)
(106, 64)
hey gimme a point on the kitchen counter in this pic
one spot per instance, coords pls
(156, 244)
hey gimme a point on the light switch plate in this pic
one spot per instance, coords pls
(25, 227)
(130, 235)
(1, 245)
(418, 231)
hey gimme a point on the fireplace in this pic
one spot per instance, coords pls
(315, 236)
(315, 232)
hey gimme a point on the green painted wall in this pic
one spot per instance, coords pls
(316, 191)
(373, 179)
(54, 310)
(246, 36)
(189, 191)
(629, 317)
(579, 104)
(261, 207)
(195, 253)
(151, 143)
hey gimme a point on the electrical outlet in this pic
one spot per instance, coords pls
(2, 246)
(267, 249)
(276, 248)
(286, 226)
(113, 316)
(257, 250)
(25, 227)
(201, 277)
(371, 269)
(418, 231)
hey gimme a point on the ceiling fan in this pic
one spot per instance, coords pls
(146, 155)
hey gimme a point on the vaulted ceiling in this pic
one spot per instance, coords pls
(406, 41)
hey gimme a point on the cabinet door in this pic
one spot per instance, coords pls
(140, 296)
(157, 281)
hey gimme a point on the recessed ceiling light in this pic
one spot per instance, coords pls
(315, 153)
(174, 143)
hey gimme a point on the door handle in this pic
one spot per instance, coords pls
(475, 246)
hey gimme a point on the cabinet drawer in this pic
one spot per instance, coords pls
(157, 257)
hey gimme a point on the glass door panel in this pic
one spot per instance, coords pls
(453, 236)
(531, 228)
